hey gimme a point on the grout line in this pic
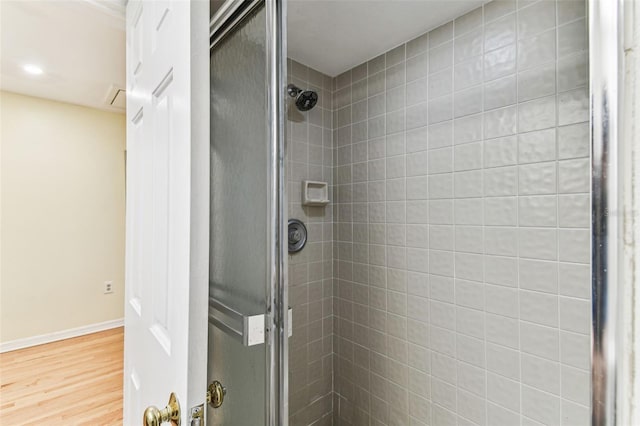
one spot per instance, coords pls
(557, 169)
(517, 209)
(453, 221)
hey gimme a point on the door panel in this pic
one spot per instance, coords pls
(243, 249)
(162, 286)
(239, 167)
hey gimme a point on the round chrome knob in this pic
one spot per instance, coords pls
(294, 236)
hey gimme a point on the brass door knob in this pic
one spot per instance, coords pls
(215, 394)
(171, 413)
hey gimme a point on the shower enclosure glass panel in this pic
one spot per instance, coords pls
(243, 243)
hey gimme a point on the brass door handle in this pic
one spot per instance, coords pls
(215, 394)
(171, 413)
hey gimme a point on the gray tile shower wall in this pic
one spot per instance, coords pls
(310, 157)
(461, 224)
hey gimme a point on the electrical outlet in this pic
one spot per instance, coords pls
(108, 287)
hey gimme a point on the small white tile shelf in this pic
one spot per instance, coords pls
(315, 193)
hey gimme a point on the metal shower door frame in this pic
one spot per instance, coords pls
(222, 23)
(606, 55)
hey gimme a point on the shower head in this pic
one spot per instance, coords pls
(305, 99)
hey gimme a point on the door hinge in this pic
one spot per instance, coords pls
(196, 415)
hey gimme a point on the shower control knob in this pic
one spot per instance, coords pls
(294, 236)
(297, 235)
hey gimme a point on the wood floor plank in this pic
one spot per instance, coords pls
(73, 382)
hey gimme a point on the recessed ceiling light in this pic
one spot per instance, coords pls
(32, 69)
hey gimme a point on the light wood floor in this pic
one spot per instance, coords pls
(71, 382)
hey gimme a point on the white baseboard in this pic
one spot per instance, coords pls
(26, 342)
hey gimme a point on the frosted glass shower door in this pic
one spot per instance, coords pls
(245, 339)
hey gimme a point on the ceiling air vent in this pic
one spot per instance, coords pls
(117, 98)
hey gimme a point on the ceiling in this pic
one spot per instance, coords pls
(333, 36)
(79, 44)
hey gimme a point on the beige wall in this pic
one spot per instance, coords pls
(62, 216)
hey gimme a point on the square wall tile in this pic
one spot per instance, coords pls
(453, 265)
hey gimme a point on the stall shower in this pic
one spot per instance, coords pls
(448, 279)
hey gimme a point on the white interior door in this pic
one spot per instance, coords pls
(166, 261)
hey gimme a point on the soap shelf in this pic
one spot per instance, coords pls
(315, 193)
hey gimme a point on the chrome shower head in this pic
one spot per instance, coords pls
(304, 99)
